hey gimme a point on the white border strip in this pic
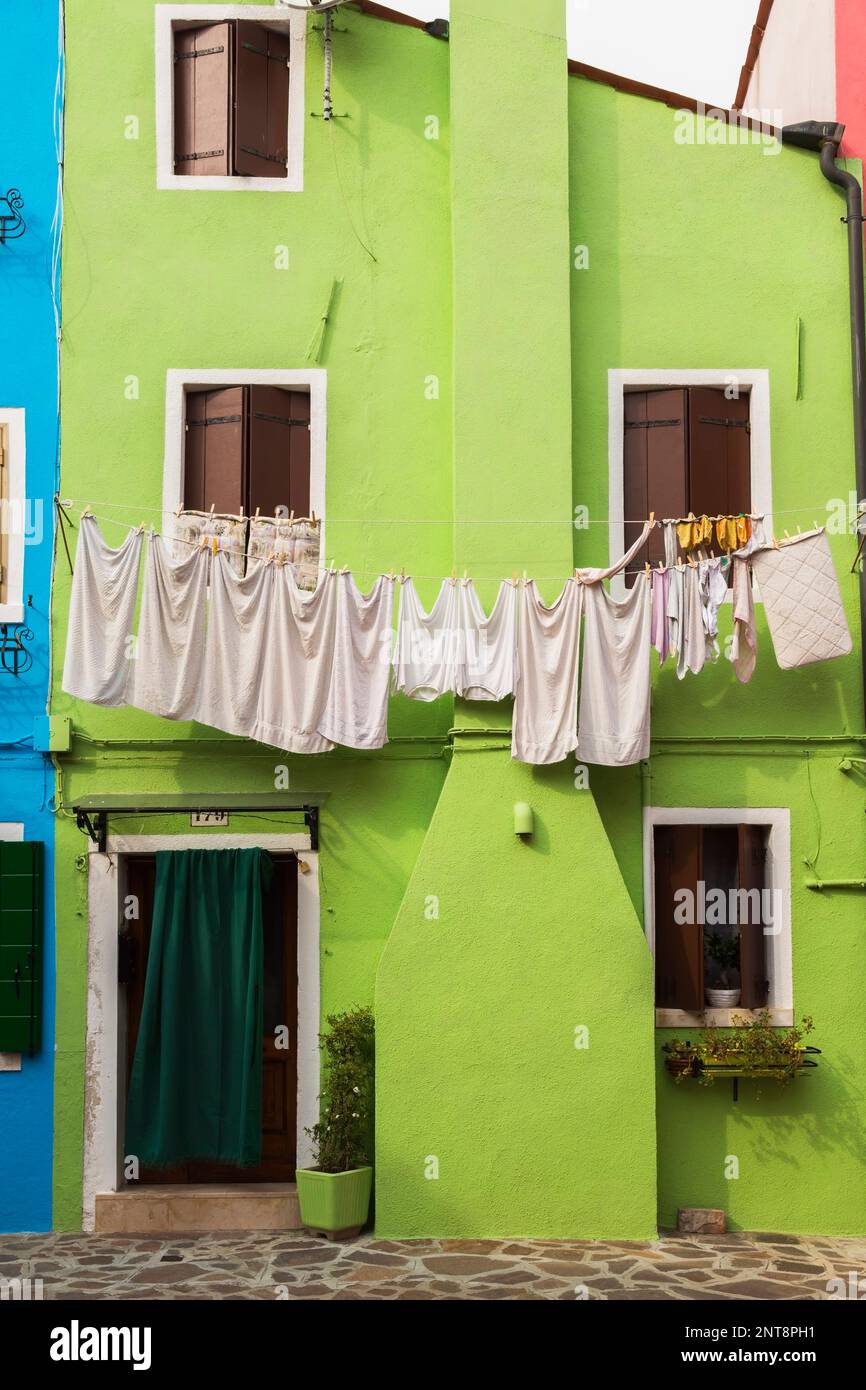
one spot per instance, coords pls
(13, 418)
(103, 1136)
(755, 380)
(295, 24)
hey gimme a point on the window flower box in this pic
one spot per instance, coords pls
(752, 1050)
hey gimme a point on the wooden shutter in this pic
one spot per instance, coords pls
(202, 100)
(21, 906)
(753, 943)
(214, 473)
(679, 946)
(279, 460)
(261, 101)
(654, 465)
(720, 479)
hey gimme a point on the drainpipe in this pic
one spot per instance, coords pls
(824, 137)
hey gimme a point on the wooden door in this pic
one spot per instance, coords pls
(280, 1023)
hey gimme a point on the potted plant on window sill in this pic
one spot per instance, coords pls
(724, 952)
(753, 1048)
(334, 1195)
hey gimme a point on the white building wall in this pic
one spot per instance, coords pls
(795, 75)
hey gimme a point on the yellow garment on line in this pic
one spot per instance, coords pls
(694, 532)
(733, 532)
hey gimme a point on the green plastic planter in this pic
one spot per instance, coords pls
(335, 1203)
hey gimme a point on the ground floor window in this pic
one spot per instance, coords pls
(718, 912)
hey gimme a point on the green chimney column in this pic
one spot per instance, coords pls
(512, 330)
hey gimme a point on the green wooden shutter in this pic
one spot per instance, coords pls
(21, 907)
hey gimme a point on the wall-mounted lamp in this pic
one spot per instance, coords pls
(523, 818)
(12, 224)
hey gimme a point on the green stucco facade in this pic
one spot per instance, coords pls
(519, 1085)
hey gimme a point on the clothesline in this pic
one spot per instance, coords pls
(256, 657)
(452, 521)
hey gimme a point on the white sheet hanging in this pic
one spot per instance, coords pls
(595, 576)
(165, 677)
(356, 710)
(485, 670)
(240, 641)
(692, 651)
(299, 658)
(744, 645)
(425, 658)
(614, 724)
(101, 611)
(544, 724)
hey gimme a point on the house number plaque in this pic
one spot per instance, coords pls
(208, 820)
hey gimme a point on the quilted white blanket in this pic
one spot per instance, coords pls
(800, 594)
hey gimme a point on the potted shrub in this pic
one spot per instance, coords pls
(724, 952)
(752, 1048)
(335, 1194)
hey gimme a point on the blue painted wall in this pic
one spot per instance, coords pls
(28, 380)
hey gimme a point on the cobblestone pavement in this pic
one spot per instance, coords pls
(281, 1265)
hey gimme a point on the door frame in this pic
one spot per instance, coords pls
(104, 1085)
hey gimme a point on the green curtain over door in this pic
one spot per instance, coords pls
(196, 1086)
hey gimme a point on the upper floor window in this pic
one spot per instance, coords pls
(247, 449)
(686, 449)
(229, 97)
(718, 912)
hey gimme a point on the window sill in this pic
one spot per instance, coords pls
(226, 183)
(718, 1018)
(11, 612)
(10, 1061)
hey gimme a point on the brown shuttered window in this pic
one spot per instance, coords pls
(202, 100)
(679, 945)
(247, 447)
(231, 100)
(686, 449)
(752, 856)
(694, 864)
(261, 101)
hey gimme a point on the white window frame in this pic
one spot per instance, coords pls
(104, 1086)
(11, 830)
(290, 22)
(779, 947)
(754, 380)
(12, 611)
(179, 381)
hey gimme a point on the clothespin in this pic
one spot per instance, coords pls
(178, 509)
(403, 576)
(787, 537)
(258, 509)
(647, 568)
(525, 577)
(242, 511)
(514, 578)
(391, 575)
(312, 518)
(212, 508)
(652, 518)
(454, 576)
(345, 569)
(86, 512)
(292, 519)
(216, 544)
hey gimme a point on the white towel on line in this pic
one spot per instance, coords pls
(614, 724)
(544, 723)
(101, 611)
(165, 677)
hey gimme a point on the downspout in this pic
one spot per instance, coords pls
(825, 138)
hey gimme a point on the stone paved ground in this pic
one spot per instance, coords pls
(295, 1265)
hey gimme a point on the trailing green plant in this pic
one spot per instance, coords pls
(753, 1044)
(343, 1138)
